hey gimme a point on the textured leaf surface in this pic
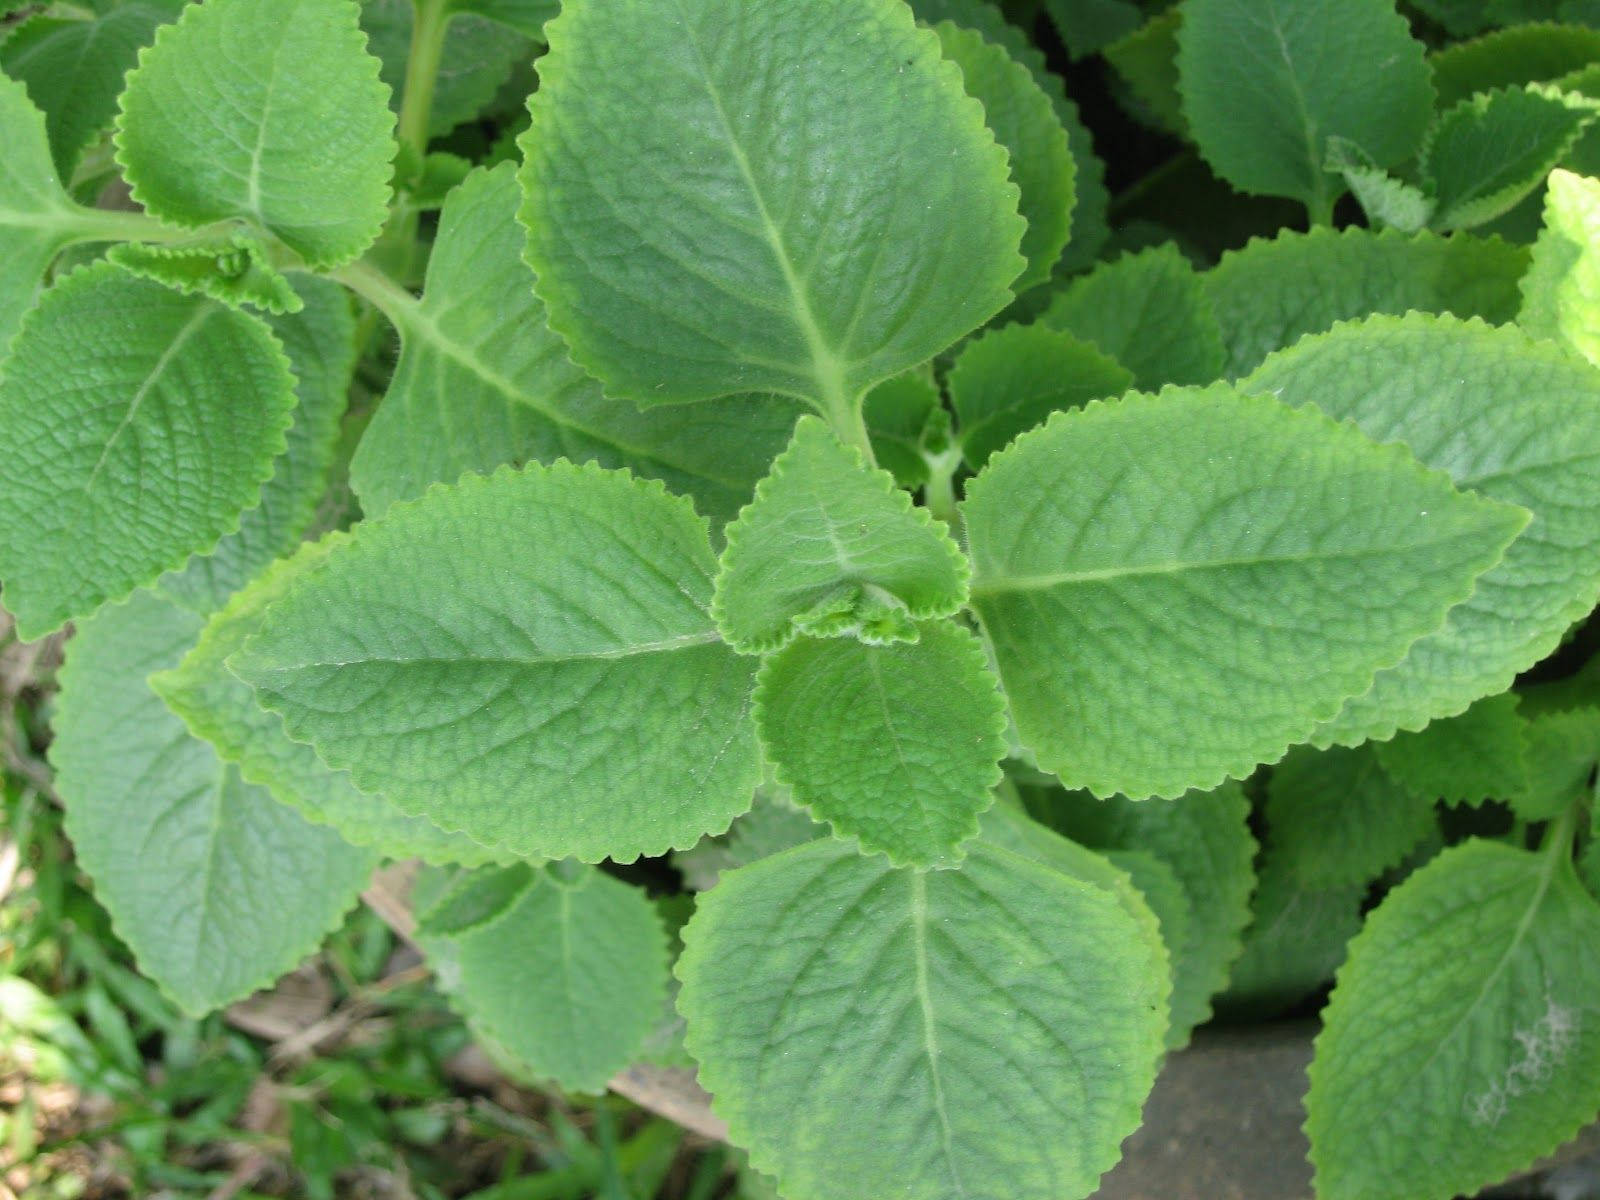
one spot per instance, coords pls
(1563, 748)
(141, 422)
(1561, 290)
(841, 224)
(772, 825)
(216, 887)
(1147, 311)
(34, 209)
(469, 696)
(1463, 1038)
(1506, 418)
(1511, 57)
(1271, 561)
(271, 112)
(830, 546)
(1387, 201)
(1272, 293)
(897, 745)
(568, 980)
(834, 1001)
(1012, 378)
(1266, 83)
(483, 381)
(1339, 819)
(1480, 755)
(232, 269)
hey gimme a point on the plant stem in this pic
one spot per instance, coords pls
(105, 225)
(1559, 834)
(1320, 210)
(422, 75)
(378, 290)
(845, 416)
(939, 493)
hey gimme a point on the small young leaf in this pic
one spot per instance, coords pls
(1463, 1039)
(1506, 417)
(1511, 57)
(476, 900)
(289, 129)
(966, 972)
(898, 746)
(1256, 552)
(830, 547)
(813, 276)
(117, 388)
(469, 694)
(1561, 290)
(1480, 755)
(1147, 311)
(1012, 378)
(1315, 69)
(1389, 203)
(1272, 293)
(233, 269)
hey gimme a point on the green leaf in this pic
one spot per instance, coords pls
(73, 68)
(1010, 379)
(294, 135)
(1090, 25)
(474, 64)
(1460, 18)
(1254, 551)
(1272, 293)
(468, 696)
(1480, 755)
(1510, 58)
(813, 273)
(1461, 1042)
(1487, 153)
(1314, 69)
(1147, 311)
(1563, 748)
(219, 707)
(1024, 122)
(1387, 201)
(234, 269)
(568, 980)
(772, 825)
(899, 413)
(215, 887)
(965, 973)
(527, 17)
(1508, 418)
(830, 547)
(117, 388)
(898, 746)
(482, 381)
(1561, 290)
(1158, 884)
(1204, 837)
(1147, 62)
(1340, 819)
(35, 213)
(476, 899)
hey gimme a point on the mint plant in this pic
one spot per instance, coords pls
(1028, 630)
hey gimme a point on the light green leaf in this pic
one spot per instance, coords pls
(1024, 122)
(1510, 58)
(772, 825)
(482, 381)
(1270, 560)
(73, 67)
(215, 887)
(830, 547)
(1339, 819)
(1561, 290)
(474, 64)
(474, 899)
(1010, 379)
(568, 980)
(1480, 755)
(527, 17)
(1563, 748)
(117, 388)
(1508, 418)
(1272, 293)
(965, 973)
(468, 696)
(1158, 884)
(1147, 311)
(1487, 153)
(812, 274)
(233, 268)
(1463, 1039)
(1388, 202)
(1147, 62)
(899, 413)
(295, 134)
(1266, 83)
(219, 707)
(898, 746)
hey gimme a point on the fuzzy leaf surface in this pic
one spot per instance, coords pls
(1561, 290)
(232, 269)
(35, 213)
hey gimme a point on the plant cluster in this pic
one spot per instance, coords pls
(1214, 623)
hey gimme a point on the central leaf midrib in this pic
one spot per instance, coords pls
(665, 646)
(930, 1038)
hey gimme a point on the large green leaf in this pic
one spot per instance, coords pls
(1506, 417)
(483, 381)
(1463, 1039)
(1511, 57)
(1271, 561)
(216, 887)
(1272, 293)
(1266, 83)
(898, 745)
(1483, 754)
(1561, 290)
(848, 214)
(461, 673)
(568, 979)
(861, 1026)
(289, 129)
(829, 546)
(140, 422)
